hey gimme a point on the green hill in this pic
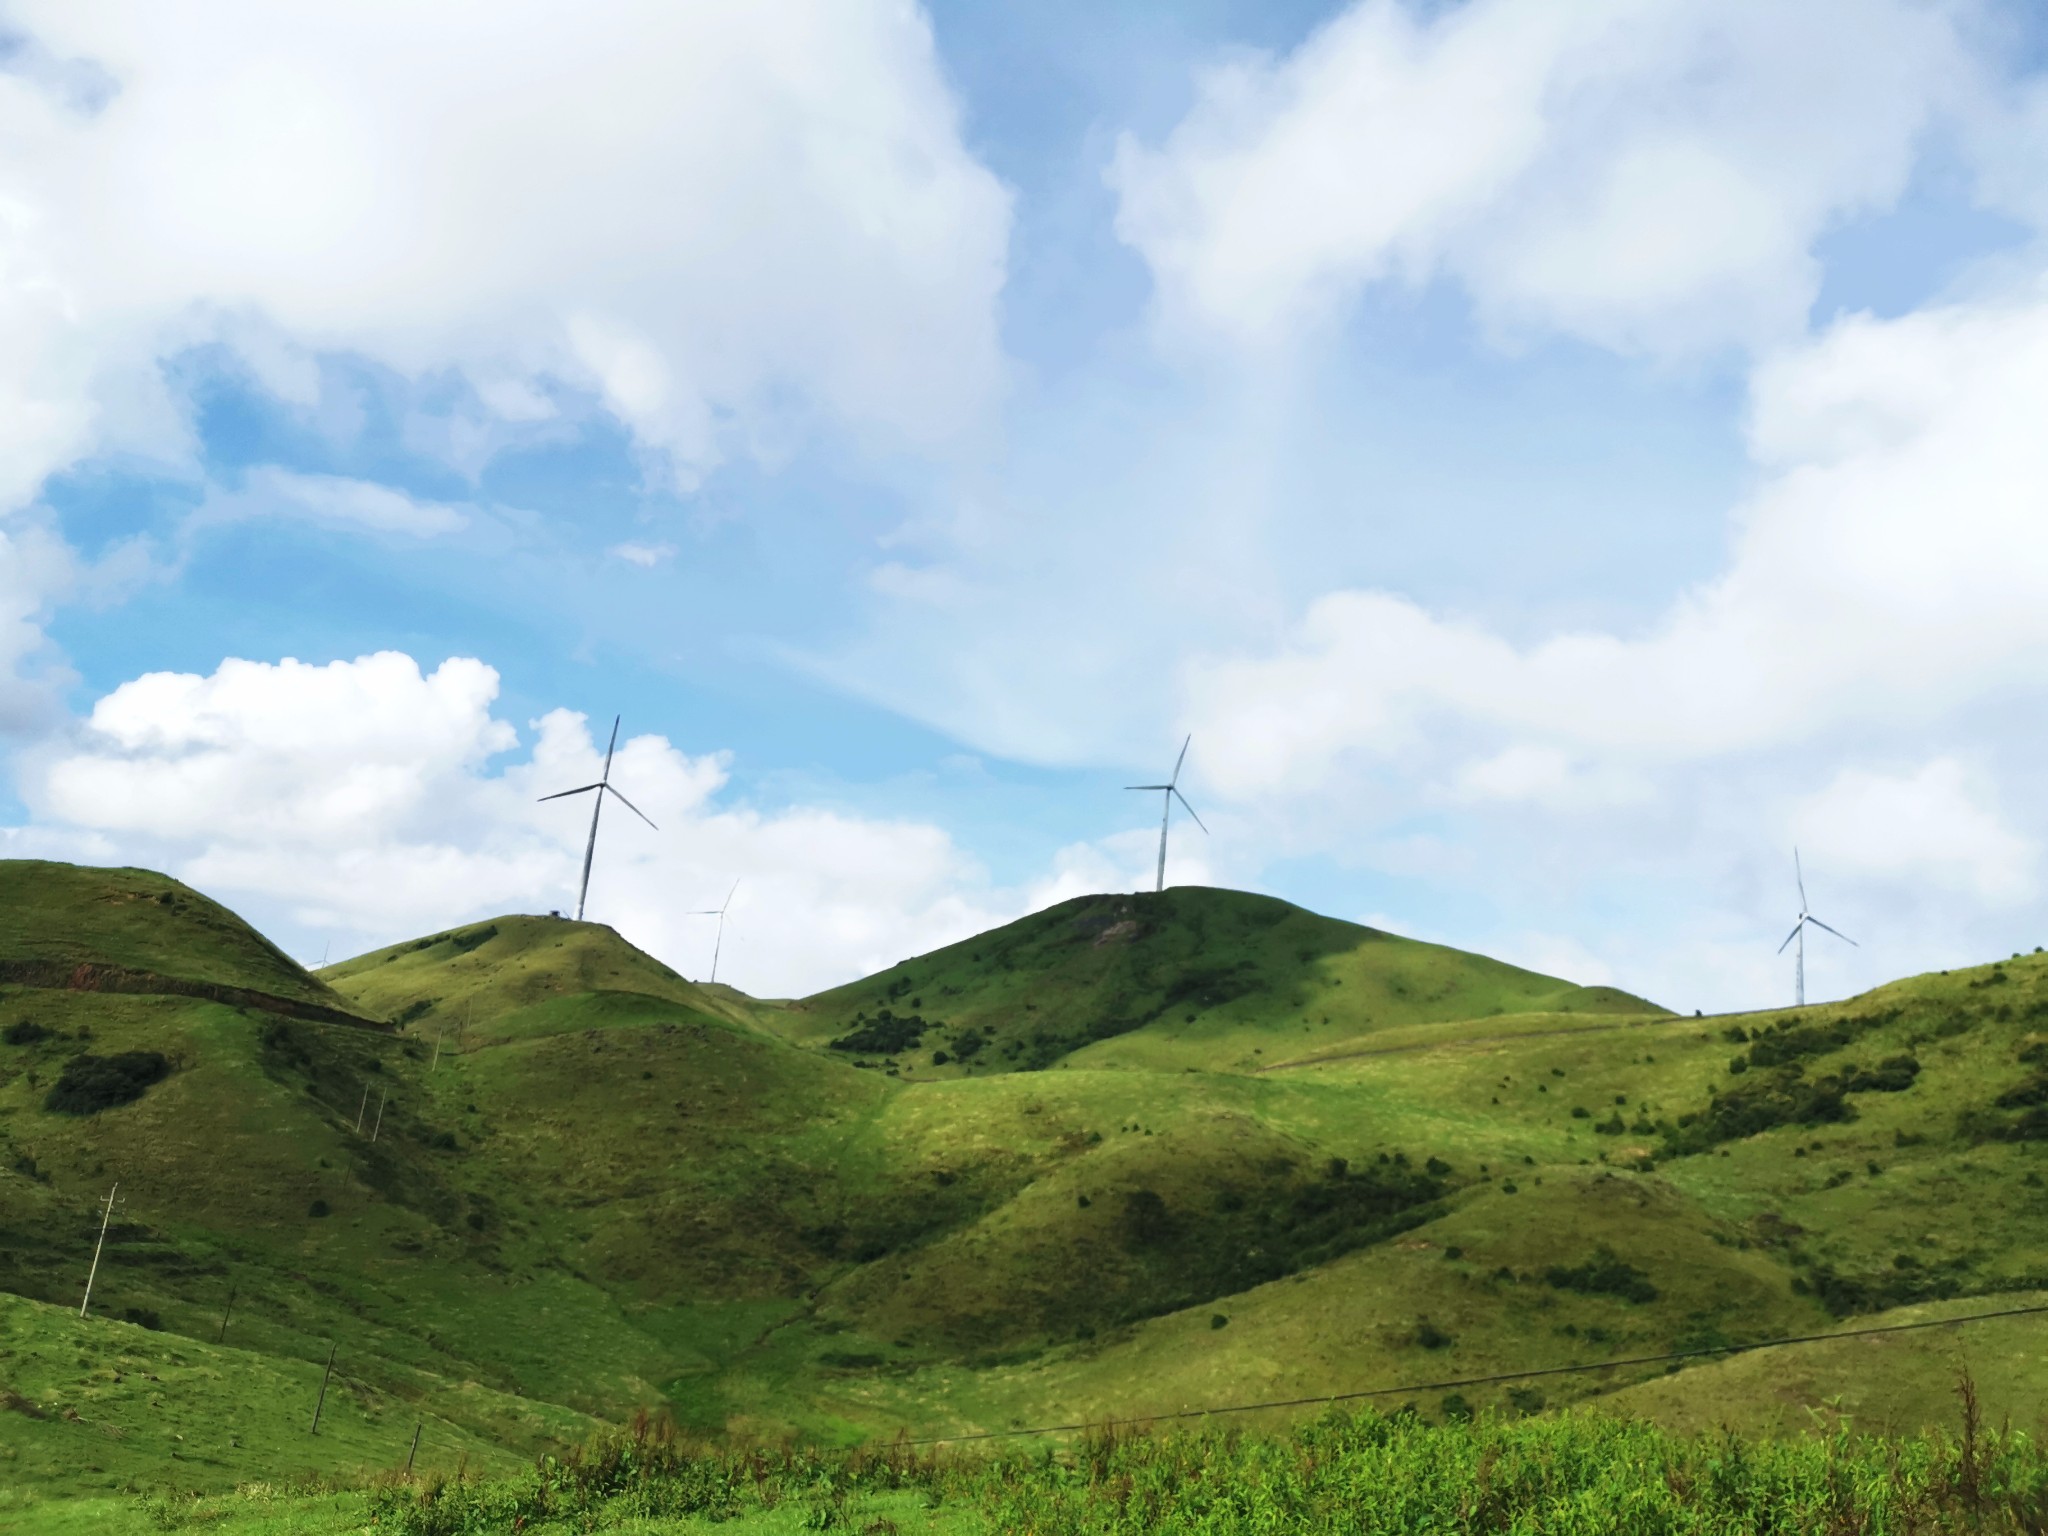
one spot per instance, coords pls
(130, 930)
(579, 1182)
(1186, 977)
(516, 975)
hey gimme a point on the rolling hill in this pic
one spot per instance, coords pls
(561, 1176)
(1187, 977)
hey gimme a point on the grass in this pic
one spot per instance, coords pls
(1190, 977)
(1343, 1472)
(596, 1186)
(59, 917)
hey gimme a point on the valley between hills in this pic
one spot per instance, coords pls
(1133, 1154)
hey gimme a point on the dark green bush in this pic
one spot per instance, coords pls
(1895, 1074)
(1605, 1274)
(89, 1084)
(24, 1032)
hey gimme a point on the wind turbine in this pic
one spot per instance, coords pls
(1799, 930)
(602, 788)
(719, 913)
(1172, 793)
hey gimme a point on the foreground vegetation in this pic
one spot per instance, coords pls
(1344, 1472)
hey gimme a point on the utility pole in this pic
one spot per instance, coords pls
(226, 1312)
(362, 1107)
(106, 1216)
(415, 1450)
(321, 1401)
(380, 1117)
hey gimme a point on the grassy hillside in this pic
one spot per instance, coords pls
(596, 1187)
(1221, 980)
(59, 917)
(516, 976)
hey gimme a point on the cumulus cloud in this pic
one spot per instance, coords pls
(36, 569)
(1929, 827)
(1647, 174)
(1887, 569)
(367, 801)
(706, 216)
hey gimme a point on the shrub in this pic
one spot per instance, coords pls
(91, 1083)
(1455, 1409)
(1429, 1336)
(24, 1032)
(1580, 1112)
(1605, 1274)
(1218, 1320)
(143, 1317)
(1784, 1097)
(1146, 1219)
(1895, 1074)
(887, 1035)
(318, 1209)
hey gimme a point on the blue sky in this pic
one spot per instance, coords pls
(1552, 458)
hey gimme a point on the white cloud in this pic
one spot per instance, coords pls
(335, 501)
(646, 556)
(1888, 569)
(1648, 174)
(706, 215)
(36, 569)
(368, 801)
(1930, 827)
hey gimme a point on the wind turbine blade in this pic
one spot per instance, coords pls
(633, 808)
(728, 898)
(1182, 758)
(609, 750)
(560, 793)
(1183, 799)
(1148, 786)
(1835, 931)
(1799, 875)
(1793, 934)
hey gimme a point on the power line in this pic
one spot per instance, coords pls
(1475, 1381)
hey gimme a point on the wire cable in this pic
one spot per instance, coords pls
(1475, 1381)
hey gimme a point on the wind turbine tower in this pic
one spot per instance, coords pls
(1799, 928)
(1172, 793)
(599, 790)
(719, 913)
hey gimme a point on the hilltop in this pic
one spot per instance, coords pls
(132, 930)
(583, 1183)
(515, 976)
(1191, 976)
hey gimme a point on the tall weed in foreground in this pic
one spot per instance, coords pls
(1344, 1473)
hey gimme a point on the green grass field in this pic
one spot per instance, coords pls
(1361, 1472)
(1132, 1155)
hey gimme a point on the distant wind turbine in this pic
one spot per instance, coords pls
(1172, 793)
(1799, 930)
(719, 913)
(601, 788)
